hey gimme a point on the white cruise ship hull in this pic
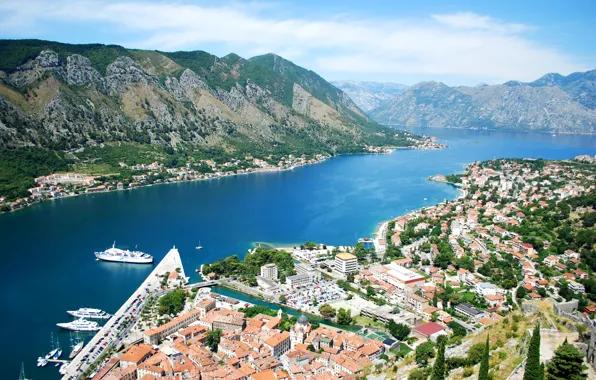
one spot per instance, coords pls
(68, 326)
(127, 260)
(87, 315)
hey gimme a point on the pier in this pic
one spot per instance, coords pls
(116, 329)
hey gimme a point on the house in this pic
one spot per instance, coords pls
(581, 274)
(279, 344)
(494, 300)
(430, 331)
(136, 355)
(551, 260)
(576, 287)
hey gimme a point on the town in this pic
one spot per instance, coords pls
(61, 185)
(508, 262)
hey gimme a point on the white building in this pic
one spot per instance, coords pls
(269, 271)
(345, 263)
(402, 277)
(485, 289)
(576, 287)
(299, 280)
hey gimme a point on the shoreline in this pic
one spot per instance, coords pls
(256, 171)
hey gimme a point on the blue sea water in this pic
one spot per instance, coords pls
(47, 251)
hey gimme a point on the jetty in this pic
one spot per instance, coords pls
(116, 329)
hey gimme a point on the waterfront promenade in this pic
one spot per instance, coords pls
(115, 330)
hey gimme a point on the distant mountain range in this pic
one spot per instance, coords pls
(369, 95)
(553, 103)
(64, 96)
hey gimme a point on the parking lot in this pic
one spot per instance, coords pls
(310, 296)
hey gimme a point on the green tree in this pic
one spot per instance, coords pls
(327, 311)
(425, 352)
(476, 353)
(533, 367)
(282, 298)
(438, 372)
(483, 372)
(567, 364)
(212, 339)
(344, 317)
(360, 252)
(520, 292)
(399, 331)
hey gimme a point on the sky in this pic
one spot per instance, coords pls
(456, 42)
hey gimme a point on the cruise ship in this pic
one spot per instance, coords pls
(86, 312)
(124, 256)
(80, 325)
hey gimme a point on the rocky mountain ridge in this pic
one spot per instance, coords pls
(68, 96)
(370, 95)
(553, 103)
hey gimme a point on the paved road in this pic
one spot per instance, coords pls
(109, 336)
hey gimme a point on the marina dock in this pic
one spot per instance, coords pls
(115, 330)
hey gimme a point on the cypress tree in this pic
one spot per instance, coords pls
(533, 368)
(567, 364)
(483, 373)
(439, 365)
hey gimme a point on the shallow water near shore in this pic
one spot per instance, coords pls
(47, 251)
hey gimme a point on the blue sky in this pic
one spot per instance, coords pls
(457, 42)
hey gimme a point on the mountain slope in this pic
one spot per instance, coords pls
(64, 96)
(369, 95)
(553, 103)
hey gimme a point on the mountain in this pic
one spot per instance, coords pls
(369, 95)
(67, 97)
(553, 103)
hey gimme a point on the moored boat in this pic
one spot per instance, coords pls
(86, 312)
(80, 325)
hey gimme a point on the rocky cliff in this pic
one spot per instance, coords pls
(369, 95)
(67, 96)
(553, 103)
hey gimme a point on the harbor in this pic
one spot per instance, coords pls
(114, 333)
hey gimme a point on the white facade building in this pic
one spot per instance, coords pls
(269, 271)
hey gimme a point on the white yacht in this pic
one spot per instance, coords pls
(86, 312)
(42, 362)
(76, 345)
(124, 256)
(79, 325)
(54, 351)
(63, 368)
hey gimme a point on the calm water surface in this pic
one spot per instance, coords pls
(47, 251)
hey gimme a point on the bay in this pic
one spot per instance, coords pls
(47, 251)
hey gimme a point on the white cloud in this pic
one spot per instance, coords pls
(458, 45)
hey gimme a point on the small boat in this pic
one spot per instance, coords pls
(199, 246)
(42, 362)
(22, 374)
(58, 352)
(63, 368)
(50, 355)
(425, 199)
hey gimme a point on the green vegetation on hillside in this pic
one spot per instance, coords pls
(19, 167)
(14, 53)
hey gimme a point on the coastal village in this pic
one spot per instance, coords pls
(60, 185)
(436, 282)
